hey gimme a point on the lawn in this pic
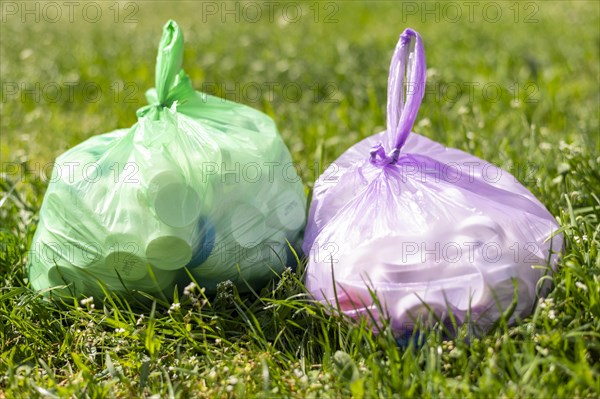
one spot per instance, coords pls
(514, 83)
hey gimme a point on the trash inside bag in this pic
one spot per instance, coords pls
(198, 184)
(411, 231)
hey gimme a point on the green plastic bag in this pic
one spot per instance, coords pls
(198, 184)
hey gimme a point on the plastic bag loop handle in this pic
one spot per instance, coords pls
(401, 113)
(402, 108)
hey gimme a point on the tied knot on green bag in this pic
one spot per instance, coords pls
(172, 83)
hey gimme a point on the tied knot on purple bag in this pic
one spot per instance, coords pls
(380, 158)
(406, 69)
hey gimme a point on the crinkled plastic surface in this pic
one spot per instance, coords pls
(423, 228)
(198, 183)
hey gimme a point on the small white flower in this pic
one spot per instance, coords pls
(189, 288)
(546, 303)
(425, 122)
(140, 320)
(551, 315)
(581, 286)
(174, 307)
(544, 146)
(119, 330)
(86, 301)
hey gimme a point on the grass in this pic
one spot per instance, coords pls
(543, 127)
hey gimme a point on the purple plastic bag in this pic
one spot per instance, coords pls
(425, 228)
